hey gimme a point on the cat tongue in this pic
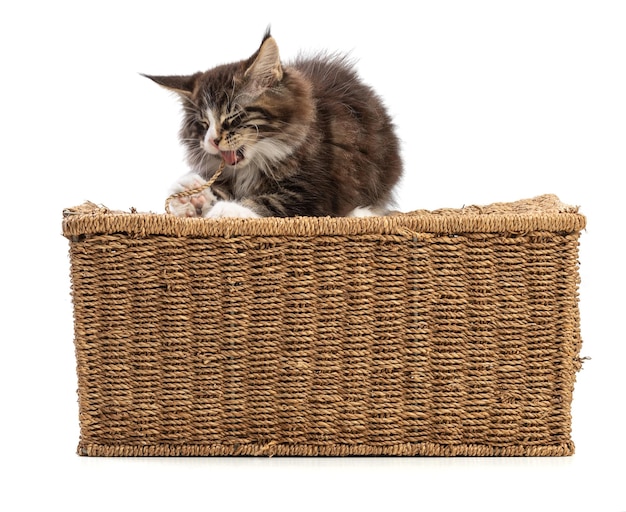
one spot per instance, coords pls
(230, 157)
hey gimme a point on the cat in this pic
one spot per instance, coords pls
(306, 138)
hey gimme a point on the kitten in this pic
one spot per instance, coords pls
(306, 138)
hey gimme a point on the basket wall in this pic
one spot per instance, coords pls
(348, 337)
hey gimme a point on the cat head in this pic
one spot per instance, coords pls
(251, 112)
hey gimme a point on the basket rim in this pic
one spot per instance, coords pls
(542, 213)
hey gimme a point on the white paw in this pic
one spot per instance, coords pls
(231, 209)
(360, 211)
(196, 205)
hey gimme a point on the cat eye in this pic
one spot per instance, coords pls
(233, 119)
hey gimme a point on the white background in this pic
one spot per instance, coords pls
(494, 101)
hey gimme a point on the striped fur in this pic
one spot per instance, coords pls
(305, 138)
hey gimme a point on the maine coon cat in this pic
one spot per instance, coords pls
(306, 138)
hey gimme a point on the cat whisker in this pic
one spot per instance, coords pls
(256, 127)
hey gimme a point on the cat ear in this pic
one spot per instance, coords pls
(182, 85)
(264, 68)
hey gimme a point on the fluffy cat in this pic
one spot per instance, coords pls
(306, 138)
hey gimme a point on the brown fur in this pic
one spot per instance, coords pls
(310, 137)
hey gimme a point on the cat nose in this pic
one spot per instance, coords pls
(214, 143)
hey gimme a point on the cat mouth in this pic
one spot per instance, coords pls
(232, 157)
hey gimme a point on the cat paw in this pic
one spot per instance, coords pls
(197, 205)
(363, 211)
(231, 209)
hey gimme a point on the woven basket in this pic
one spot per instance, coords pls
(453, 332)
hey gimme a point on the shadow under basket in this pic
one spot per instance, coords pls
(448, 332)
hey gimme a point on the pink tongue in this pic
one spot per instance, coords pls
(230, 157)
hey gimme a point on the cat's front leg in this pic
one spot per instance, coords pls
(231, 209)
(196, 205)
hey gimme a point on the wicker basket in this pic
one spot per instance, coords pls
(454, 332)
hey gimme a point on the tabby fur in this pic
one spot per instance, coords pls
(306, 138)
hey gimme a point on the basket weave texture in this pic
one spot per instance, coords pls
(448, 332)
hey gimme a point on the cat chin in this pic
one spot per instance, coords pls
(269, 150)
(231, 209)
